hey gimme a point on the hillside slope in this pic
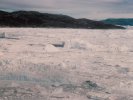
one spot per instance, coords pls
(37, 19)
(120, 21)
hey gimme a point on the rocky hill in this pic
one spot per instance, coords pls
(37, 19)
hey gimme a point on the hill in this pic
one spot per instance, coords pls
(120, 21)
(37, 19)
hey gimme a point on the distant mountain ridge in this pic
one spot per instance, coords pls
(119, 21)
(37, 19)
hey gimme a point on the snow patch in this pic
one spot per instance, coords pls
(51, 48)
(77, 44)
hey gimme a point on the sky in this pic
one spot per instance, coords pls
(91, 9)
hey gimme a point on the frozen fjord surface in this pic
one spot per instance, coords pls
(66, 64)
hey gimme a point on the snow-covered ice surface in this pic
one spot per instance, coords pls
(66, 64)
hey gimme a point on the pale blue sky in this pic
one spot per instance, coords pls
(93, 9)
